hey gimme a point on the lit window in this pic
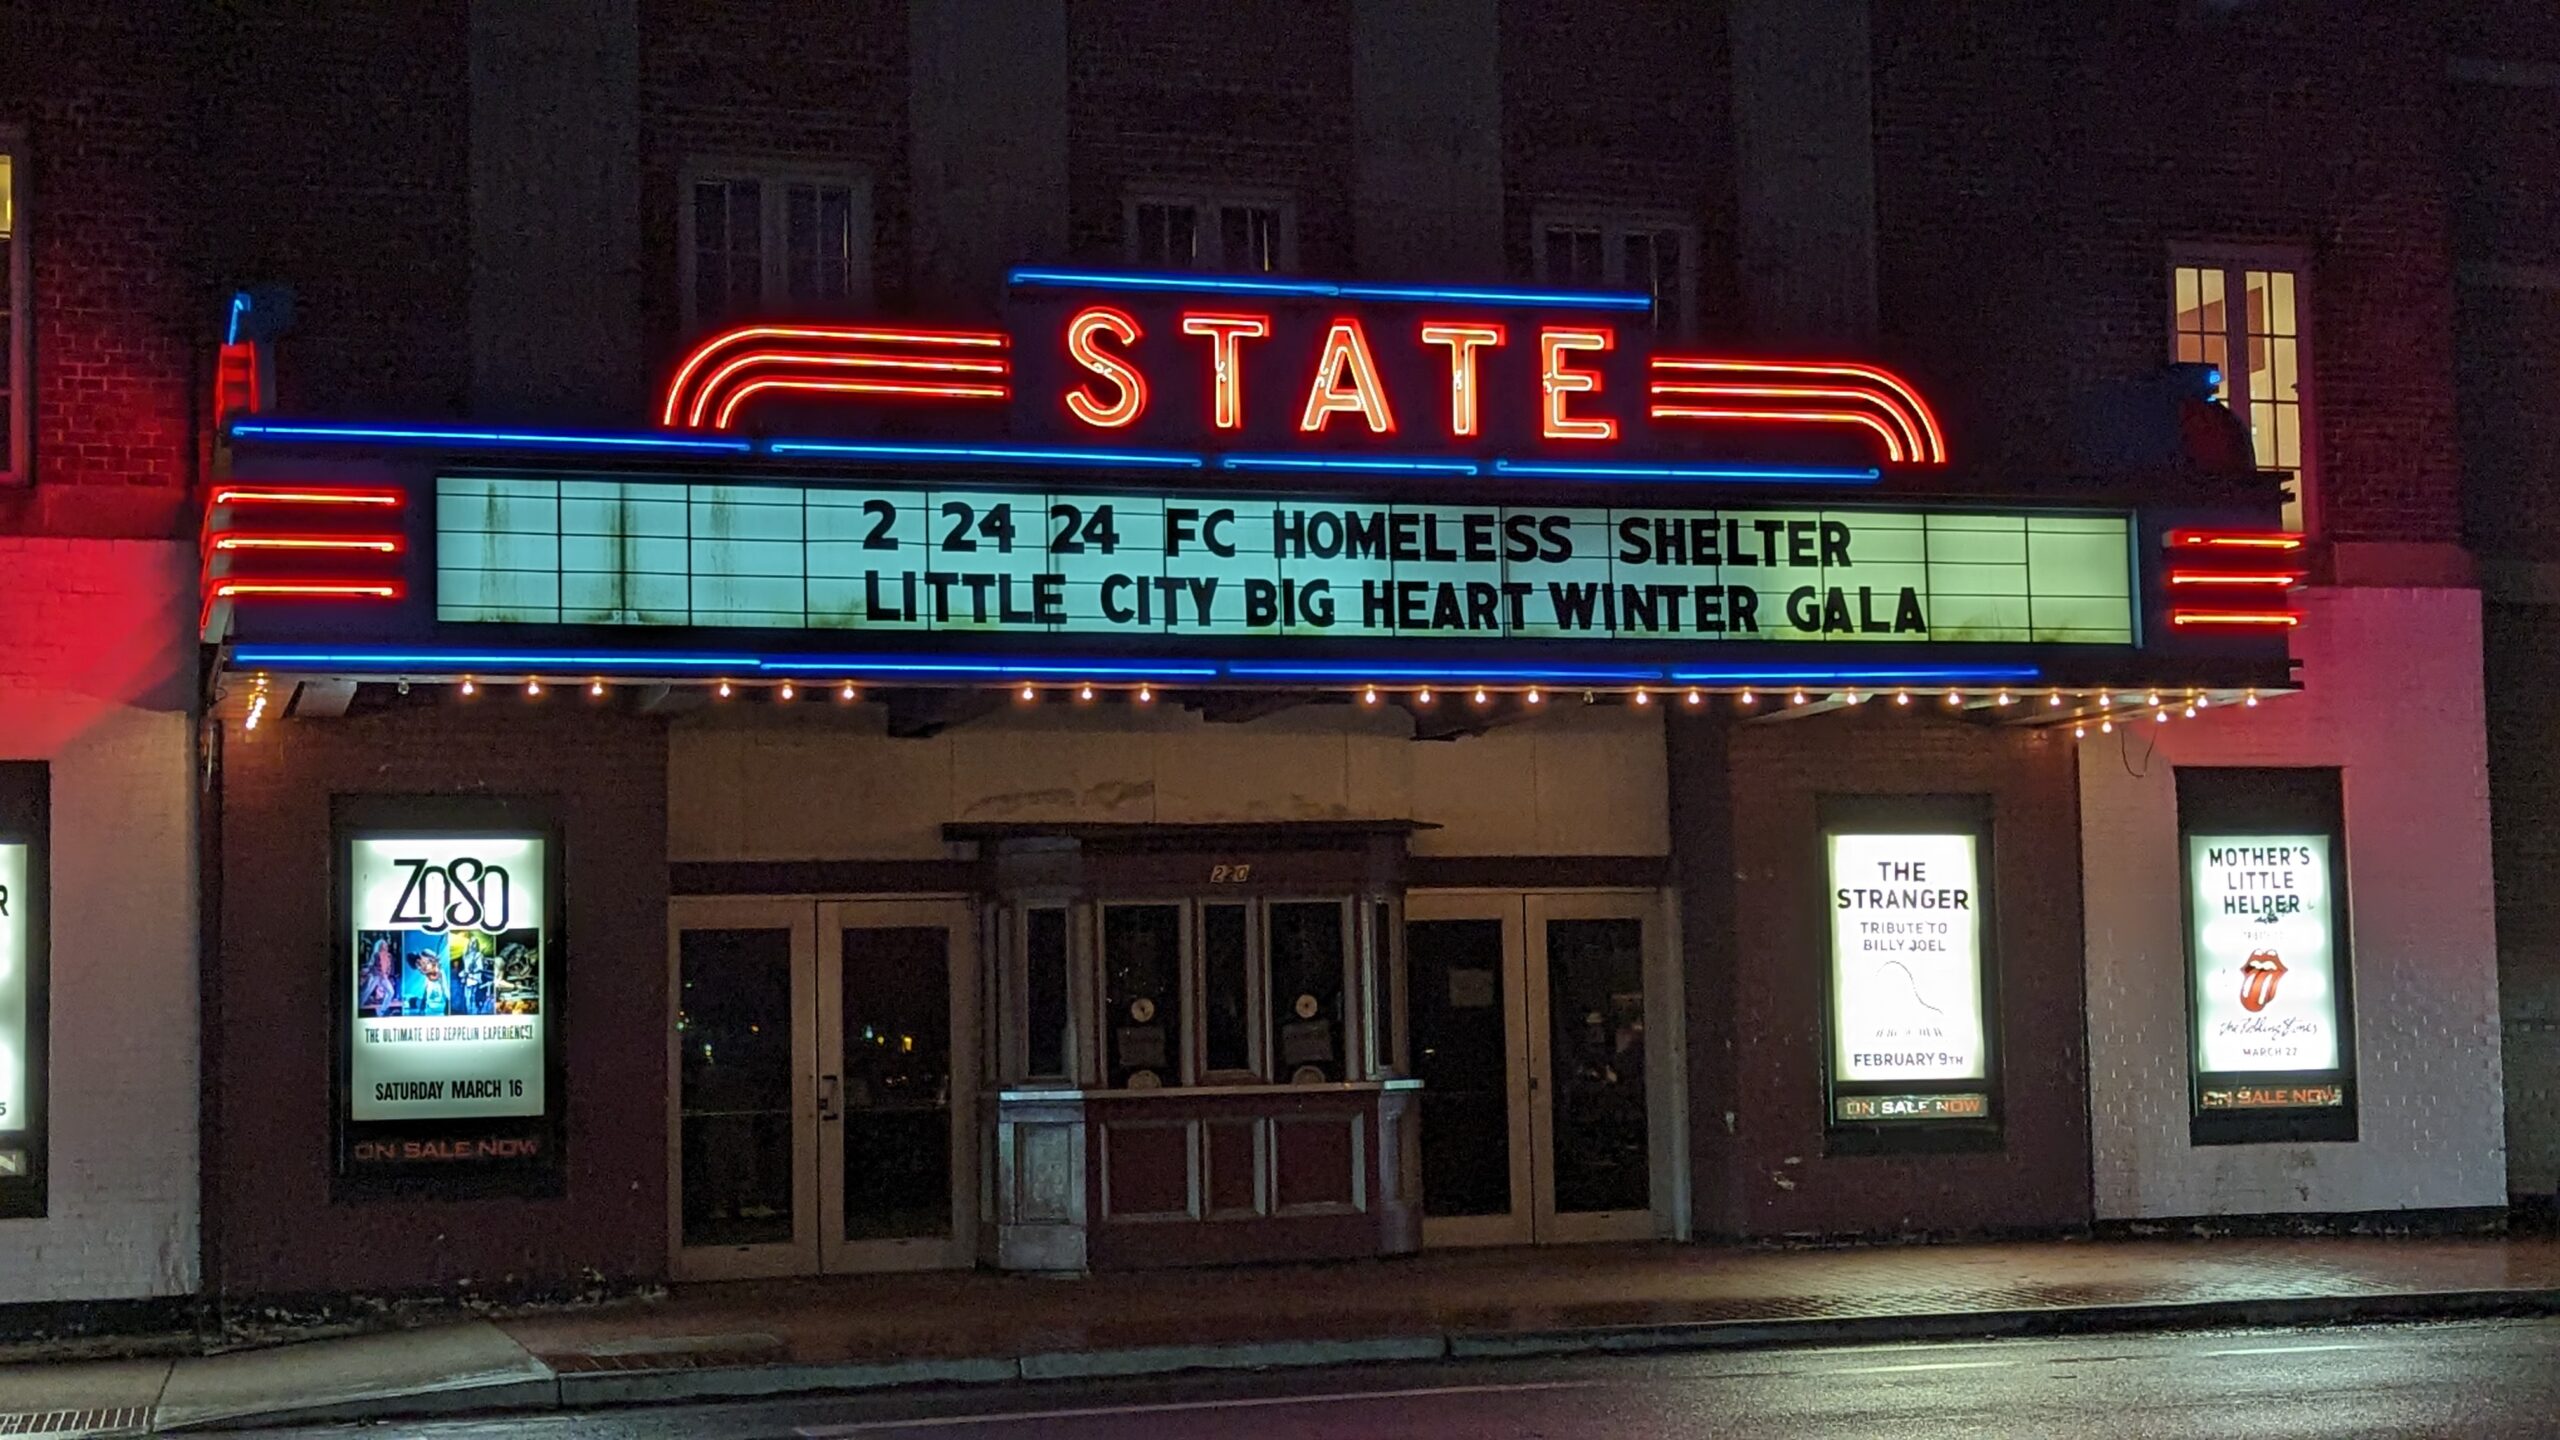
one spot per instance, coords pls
(2243, 314)
(757, 242)
(1246, 234)
(1618, 253)
(15, 319)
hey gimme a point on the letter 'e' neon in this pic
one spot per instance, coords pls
(1081, 347)
(1346, 358)
(1559, 383)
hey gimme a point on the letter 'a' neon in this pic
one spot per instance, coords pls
(1346, 357)
(1560, 383)
(1132, 401)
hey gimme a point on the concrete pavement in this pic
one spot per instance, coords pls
(872, 1332)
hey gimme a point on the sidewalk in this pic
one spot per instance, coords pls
(862, 1332)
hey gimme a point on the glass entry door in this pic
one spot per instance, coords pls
(1530, 1017)
(819, 1115)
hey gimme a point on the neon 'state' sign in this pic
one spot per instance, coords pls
(1308, 368)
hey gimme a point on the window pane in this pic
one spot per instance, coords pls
(818, 243)
(728, 247)
(1596, 1038)
(1142, 994)
(1045, 951)
(897, 1082)
(1168, 236)
(1305, 956)
(1651, 263)
(1226, 988)
(733, 1085)
(1575, 256)
(1249, 238)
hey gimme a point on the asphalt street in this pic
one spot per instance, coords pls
(2494, 1378)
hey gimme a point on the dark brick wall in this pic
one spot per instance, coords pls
(267, 1044)
(98, 93)
(1171, 93)
(770, 80)
(1770, 1173)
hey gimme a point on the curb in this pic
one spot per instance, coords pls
(584, 1390)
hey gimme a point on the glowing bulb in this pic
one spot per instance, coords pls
(2079, 732)
(2191, 712)
(1694, 696)
(2106, 727)
(1146, 694)
(2252, 701)
(2203, 700)
(1369, 696)
(1642, 698)
(2002, 699)
(468, 688)
(1534, 697)
(595, 687)
(1856, 699)
(787, 690)
(1750, 699)
(1481, 697)
(2105, 701)
(2151, 699)
(2054, 699)
(2162, 717)
(1796, 699)
(1085, 693)
(847, 692)
(1901, 697)
(1029, 694)
(1423, 695)
(532, 687)
(724, 689)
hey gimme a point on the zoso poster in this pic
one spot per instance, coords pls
(448, 956)
(2266, 982)
(1906, 958)
(14, 960)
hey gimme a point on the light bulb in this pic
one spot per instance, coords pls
(1085, 693)
(2003, 698)
(1146, 694)
(1901, 697)
(468, 688)
(1534, 697)
(2162, 717)
(1030, 694)
(1749, 699)
(2054, 699)
(787, 690)
(2151, 699)
(724, 689)
(2079, 731)
(1796, 699)
(2252, 701)
(1642, 698)
(1481, 697)
(1423, 695)
(1369, 696)
(1954, 698)
(2203, 700)
(1694, 696)
(2106, 727)
(2105, 701)
(2191, 712)
(532, 687)
(847, 692)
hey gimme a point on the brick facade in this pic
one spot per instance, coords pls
(268, 1164)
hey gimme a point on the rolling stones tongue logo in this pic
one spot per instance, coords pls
(2259, 976)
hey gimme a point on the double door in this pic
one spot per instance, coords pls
(1543, 1028)
(821, 1060)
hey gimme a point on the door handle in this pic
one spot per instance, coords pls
(827, 1098)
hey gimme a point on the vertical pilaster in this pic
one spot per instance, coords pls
(1427, 139)
(555, 217)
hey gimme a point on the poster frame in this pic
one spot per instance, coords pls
(543, 1173)
(26, 816)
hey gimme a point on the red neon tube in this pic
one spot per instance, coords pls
(857, 335)
(1892, 443)
(309, 589)
(378, 544)
(1934, 448)
(2284, 618)
(2235, 539)
(260, 495)
(2276, 578)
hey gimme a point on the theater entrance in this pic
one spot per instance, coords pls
(1544, 1118)
(820, 1054)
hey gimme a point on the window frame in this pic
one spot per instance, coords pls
(775, 177)
(1615, 226)
(2235, 261)
(1206, 204)
(17, 463)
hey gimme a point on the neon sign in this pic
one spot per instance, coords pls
(1314, 366)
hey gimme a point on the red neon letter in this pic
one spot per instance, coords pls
(1559, 383)
(1346, 349)
(1226, 372)
(1132, 385)
(1463, 342)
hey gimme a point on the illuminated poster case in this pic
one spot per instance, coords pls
(2269, 975)
(448, 989)
(25, 872)
(1911, 1057)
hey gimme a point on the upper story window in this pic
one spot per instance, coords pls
(1252, 234)
(17, 322)
(765, 240)
(1606, 252)
(2244, 312)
